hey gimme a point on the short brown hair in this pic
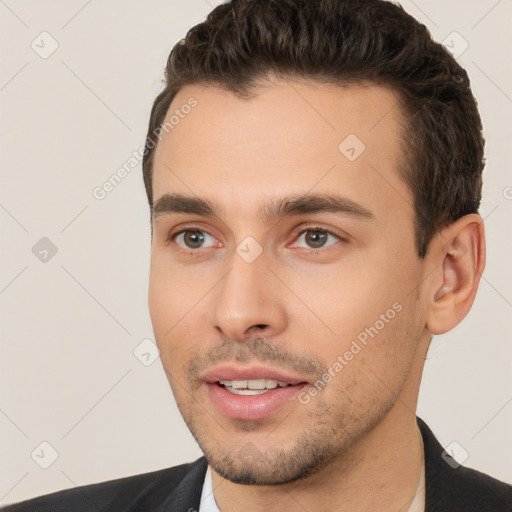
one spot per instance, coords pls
(346, 41)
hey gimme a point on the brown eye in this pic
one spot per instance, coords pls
(192, 239)
(317, 238)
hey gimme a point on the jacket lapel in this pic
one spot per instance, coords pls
(438, 479)
(187, 496)
(453, 488)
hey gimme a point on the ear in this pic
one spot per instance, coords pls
(459, 251)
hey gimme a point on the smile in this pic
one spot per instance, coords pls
(251, 387)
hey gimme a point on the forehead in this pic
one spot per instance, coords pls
(291, 138)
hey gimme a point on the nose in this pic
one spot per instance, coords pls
(249, 301)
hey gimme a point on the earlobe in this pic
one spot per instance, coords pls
(460, 251)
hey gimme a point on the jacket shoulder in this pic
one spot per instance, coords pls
(479, 491)
(451, 487)
(128, 494)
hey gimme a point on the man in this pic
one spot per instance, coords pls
(313, 170)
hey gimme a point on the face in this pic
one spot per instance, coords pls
(284, 286)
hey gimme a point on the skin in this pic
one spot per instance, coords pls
(299, 305)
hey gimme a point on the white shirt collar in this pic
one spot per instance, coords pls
(208, 503)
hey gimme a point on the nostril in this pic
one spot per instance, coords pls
(260, 326)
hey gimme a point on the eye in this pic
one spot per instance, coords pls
(192, 239)
(316, 237)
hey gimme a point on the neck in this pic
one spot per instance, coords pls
(381, 471)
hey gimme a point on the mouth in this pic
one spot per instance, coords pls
(255, 377)
(251, 393)
(252, 387)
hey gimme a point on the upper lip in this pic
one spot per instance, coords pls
(229, 372)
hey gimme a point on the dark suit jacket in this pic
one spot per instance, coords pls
(178, 489)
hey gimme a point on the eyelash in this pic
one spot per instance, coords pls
(319, 229)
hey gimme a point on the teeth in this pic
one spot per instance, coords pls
(254, 385)
(239, 384)
(246, 391)
(270, 384)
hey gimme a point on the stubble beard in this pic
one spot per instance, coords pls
(322, 442)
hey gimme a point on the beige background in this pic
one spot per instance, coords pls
(69, 326)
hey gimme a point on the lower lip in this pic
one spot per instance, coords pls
(251, 407)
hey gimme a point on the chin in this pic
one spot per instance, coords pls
(252, 466)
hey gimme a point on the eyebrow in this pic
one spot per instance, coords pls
(275, 208)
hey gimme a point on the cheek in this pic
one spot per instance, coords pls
(174, 302)
(160, 302)
(165, 310)
(371, 300)
(351, 297)
(374, 361)
(173, 292)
